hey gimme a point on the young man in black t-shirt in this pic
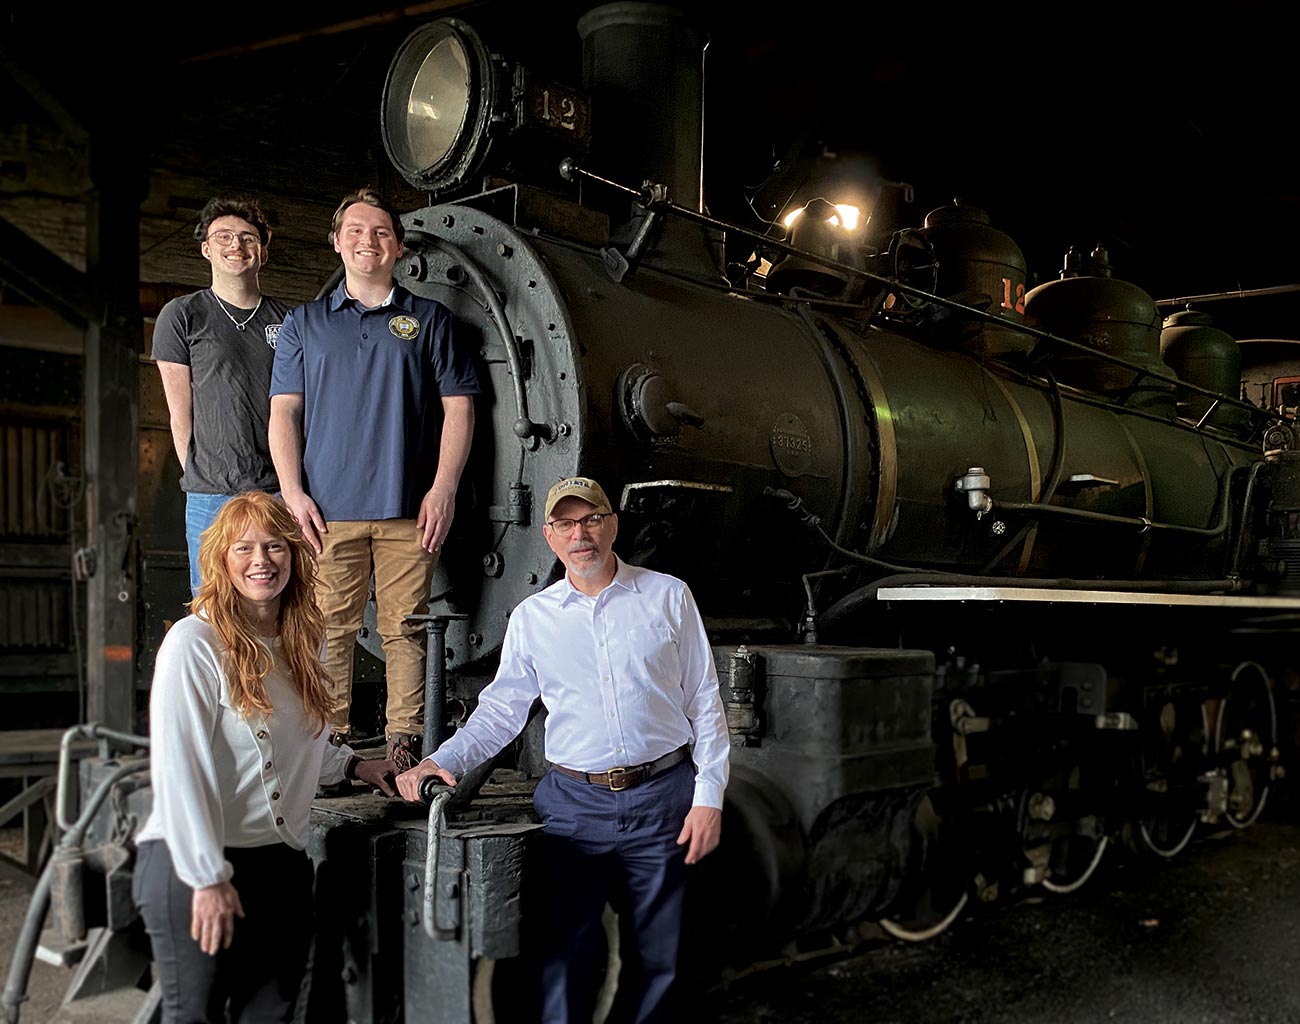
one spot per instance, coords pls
(214, 350)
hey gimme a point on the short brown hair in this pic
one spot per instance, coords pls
(244, 207)
(370, 197)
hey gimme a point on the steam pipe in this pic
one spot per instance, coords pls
(1141, 522)
(1234, 567)
(524, 427)
(93, 730)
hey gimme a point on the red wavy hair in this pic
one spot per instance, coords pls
(301, 625)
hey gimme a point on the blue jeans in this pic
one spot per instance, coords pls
(200, 510)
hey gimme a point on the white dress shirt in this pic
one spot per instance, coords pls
(626, 677)
(221, 780)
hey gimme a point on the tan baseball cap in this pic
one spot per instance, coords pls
(577, 487)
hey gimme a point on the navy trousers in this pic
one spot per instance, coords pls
(601, 846)
(260, 974)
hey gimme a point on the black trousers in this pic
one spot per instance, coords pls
(260, 974)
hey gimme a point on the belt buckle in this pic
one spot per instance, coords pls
(617, 773)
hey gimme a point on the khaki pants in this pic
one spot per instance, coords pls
(403, 571)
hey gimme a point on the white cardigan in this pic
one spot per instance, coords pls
(221, 780)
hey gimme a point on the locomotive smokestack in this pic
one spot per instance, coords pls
(643, 66)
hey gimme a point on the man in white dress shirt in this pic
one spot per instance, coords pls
(637, 739)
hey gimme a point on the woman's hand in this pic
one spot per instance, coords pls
(212, 917)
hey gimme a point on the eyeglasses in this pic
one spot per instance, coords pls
(564, 527)
(246, 238)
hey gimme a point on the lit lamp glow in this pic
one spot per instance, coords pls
(845, 215)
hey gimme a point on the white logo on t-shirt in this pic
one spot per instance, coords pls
(273, 334)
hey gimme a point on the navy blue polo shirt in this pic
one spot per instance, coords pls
(372, 382)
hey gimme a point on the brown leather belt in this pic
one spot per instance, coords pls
(618, 779)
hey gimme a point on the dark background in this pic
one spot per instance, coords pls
(1164, 133)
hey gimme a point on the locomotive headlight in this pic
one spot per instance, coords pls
(448, 103)
(438, 100)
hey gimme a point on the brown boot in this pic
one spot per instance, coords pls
(404, 751)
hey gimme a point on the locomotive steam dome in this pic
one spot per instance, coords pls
(1111, 316)
(976, 259)
(1201, 353)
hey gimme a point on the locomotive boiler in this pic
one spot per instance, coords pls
(992, 584)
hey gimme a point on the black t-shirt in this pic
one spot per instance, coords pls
(230, 379)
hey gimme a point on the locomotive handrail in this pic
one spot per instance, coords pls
(1240, 293)
(432, 848)
(524, 427)
(648, 197)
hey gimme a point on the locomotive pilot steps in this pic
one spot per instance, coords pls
(992, 587)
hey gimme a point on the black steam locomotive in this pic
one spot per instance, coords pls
(997, 576)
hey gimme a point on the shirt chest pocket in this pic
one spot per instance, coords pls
(651, 653)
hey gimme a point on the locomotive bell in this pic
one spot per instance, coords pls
(975, 257)
(1200, 353)
(1111, 316)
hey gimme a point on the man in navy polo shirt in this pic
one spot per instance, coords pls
(372, 412)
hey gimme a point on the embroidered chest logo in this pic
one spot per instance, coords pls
(404, 327)
(273, 334)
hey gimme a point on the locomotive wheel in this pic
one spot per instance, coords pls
(609, 920)
(947, 891)
(925, 922)
(494, 992)
(1246, 734)
(1173, 742)
(482, 1000)
(1073, 858)
(1073, 862)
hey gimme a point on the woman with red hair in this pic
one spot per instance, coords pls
(238, 716)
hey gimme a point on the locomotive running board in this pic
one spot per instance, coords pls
(1050, 595)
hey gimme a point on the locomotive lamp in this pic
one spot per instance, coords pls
(826, 230)
(846, 216)
(452, 110)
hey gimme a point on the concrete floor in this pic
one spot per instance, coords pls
(48, 983)
(1210, 938)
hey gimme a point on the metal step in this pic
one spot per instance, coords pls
(120, 1006)
(53, 950)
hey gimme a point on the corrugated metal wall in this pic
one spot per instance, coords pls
(29, 451)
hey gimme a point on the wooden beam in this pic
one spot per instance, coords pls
(388, 17)
(44, 278)
(69, 123)
(111, 436)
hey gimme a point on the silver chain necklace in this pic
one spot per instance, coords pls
(239, 324)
